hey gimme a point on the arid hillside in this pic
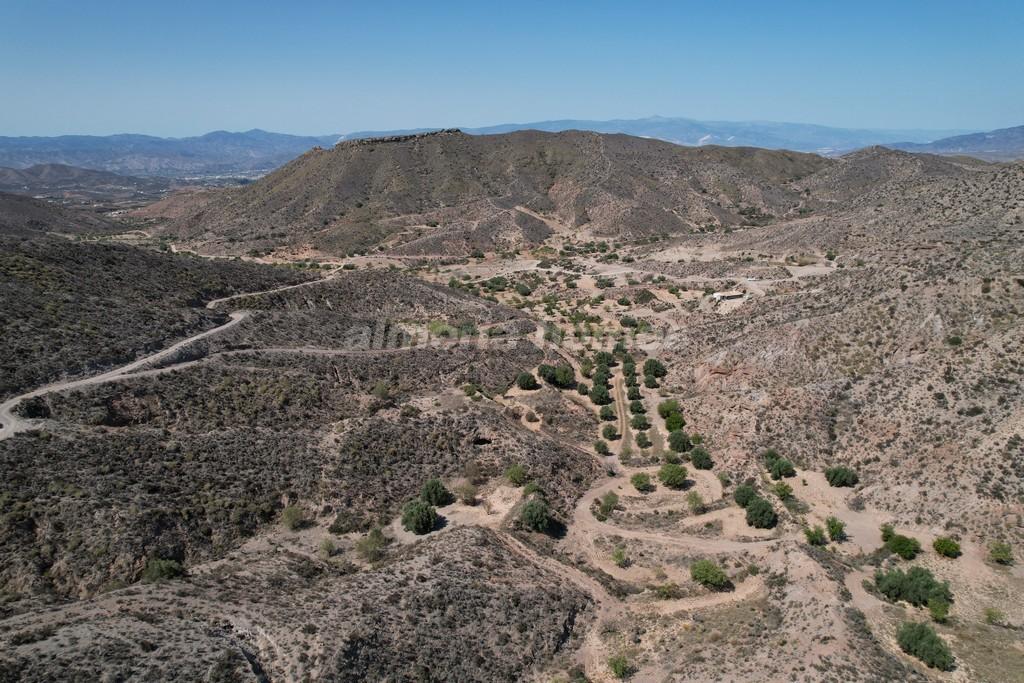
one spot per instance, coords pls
(451, 193)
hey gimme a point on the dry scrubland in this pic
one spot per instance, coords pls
(617, 475)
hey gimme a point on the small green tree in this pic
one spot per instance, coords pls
(371, 546)
(642, 482)
(634, 394)
(606, 506)
(946, 546)
(760, 514)
(783, 491)
(672, 475)
(637, 407)
(921, 641)
(435, 493)
(836, 529)
(700, 458)
(1001, 553)
(608, 413)
(743, 494)
(535, 515)
(527, 381)
(815, 535)
(643, 441)
(841, 476)
(639, 422)
(709, 575)
(161, 570)
(419, 517)
(601, 447)
(695, 502)
(666, 408)
(675, 422)
(654, 367)
(619, 557)
(599, 395)
(610, 433)
(904, 546)
(516, 474)
(679, 442)
(782, 468)
(292, 517)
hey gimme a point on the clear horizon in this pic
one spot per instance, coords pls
(325, 68)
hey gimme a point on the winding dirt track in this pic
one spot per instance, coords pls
(11, 424)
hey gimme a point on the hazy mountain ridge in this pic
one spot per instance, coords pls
(72, 182)
(1004, 144)
(219, 152)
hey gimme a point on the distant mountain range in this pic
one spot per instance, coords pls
(255, 152)
(798, 137)
(1005, 144)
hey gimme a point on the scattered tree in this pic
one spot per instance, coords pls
(679, 442)
(535, 515)
(419, 517)
(841, 476)
(743, 494)
(527, 381)
(695, 502)
(672, 475)
(610, 433)
(836, 529)
(608, 413)
(435, 493)
(161, 570)
(815, 535)
(642, 482)
(709, 575)
(946, 547)
(760, 514)
(516, 474)
(700, 458)
(921, 641)
(292, 517)
(1001, 553)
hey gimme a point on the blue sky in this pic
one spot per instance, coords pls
(183, 68)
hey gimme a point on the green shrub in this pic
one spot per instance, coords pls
(639, 422)
(642, 482)
(637, 407)
(701, 459)
(599, 395)
(655, 368)
(601, 447)
(938, 609)
(836, 529)
(695, 502)
(669, 407)
(887, 532)
(675, 422)
(535, 515)
(643, 441)
(435, 493)
(904, 546)
(634, 394)
(782, 468)
(1000, 553)
(161, 570)
(709, 575)
(783, 491)
(292, 517)
(650, 382)
(815, 535)
(419, 517)
(760, 514)
(619, 557)
(679, 442)
(562, 376)
(946, 547)
(371, 546)
(527, 381)
(610, 433)
(620, 667)
(921, 641)
(608, 413)
(672, 475)
(841, 476)
(606, 506)
(743, 494)
(516, 474)
(916, 586)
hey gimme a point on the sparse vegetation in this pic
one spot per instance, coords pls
(419, 517)
(672, 475)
